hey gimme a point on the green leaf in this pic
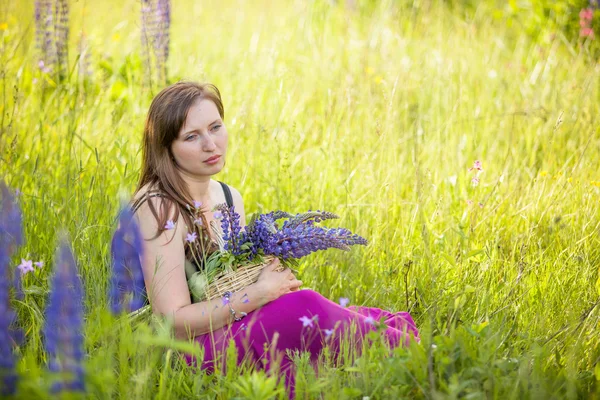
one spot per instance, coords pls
(351, 392)
(450, 259)
(473, 253)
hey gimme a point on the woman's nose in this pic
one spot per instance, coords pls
(208, 144)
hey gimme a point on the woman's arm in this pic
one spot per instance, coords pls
(164, 275)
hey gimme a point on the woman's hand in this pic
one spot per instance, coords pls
(273, 284)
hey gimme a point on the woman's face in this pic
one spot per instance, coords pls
(200, 147)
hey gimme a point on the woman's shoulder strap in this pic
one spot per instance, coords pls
(144, 197)
(227, 193)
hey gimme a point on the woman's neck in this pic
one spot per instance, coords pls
(199, 187)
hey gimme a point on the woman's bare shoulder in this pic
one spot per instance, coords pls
(147, 205)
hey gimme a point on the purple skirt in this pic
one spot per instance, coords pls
(303, 320)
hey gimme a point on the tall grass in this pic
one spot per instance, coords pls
(375, 113)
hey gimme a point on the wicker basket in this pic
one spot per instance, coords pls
(237, 280)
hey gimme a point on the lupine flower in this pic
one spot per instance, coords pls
(127, 277)
(52, 35)
(344, 301)
(297, 239)
(230, 224)
(62, 36)
(146, 35)
(191, 237)
(161, 38)
(63, 337)
(11, 236)
(170, 225)
(156, 22)
(44, 32)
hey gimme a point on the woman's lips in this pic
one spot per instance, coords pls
(212, 160)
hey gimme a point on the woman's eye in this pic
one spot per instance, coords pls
(216, 127)
(189, 138)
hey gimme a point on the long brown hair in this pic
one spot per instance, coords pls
(166, 116)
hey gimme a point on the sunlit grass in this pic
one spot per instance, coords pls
(374, 113)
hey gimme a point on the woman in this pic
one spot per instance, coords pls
(185, 145)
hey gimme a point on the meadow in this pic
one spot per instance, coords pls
(376, 111)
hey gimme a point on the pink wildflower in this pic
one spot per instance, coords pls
(586, 14)
(587, 32)
(476, 166)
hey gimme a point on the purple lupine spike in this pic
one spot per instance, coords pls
(48, 50)
(156, 23)
(161, 42)
(61, 32)
(300, 238)
(230, 224)
(147, 15)
(63, 336)
(127, 278)
(38, 23)
(11, 236)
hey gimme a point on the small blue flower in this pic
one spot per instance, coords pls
(344, 301)
(170, 225)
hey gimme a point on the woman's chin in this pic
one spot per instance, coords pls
(211, 169)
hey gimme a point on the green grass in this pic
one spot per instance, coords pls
(374, 113)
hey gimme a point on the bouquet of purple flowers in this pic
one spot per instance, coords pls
(265, 237)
